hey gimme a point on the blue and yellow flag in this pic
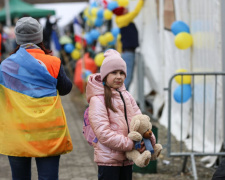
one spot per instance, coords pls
(32, 119)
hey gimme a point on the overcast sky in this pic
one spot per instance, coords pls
(65, 11)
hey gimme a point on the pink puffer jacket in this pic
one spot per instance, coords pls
(110, 128)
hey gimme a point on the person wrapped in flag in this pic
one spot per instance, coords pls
(32, 118)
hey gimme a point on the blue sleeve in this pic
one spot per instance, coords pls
(64, 85)
(137, 144)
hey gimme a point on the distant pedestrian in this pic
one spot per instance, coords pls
(48, 29)
(129, 37)
(111, 109)
(32, 118)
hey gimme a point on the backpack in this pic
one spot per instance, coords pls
(88, 133)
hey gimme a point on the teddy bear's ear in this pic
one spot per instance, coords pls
(146, 117)
(135, 123)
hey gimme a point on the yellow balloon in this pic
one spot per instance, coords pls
(94, 11)
(186, 78)
(89, 13)
(86, 12)
(119, 37)
(183, 40)
(123, 3)
(75, 54)
(109, 36)
(93, 18)
(102, 40)
(90, 22)
(108, 14)
(99, 59)
(78, 46)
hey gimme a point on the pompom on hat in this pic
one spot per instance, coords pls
(28, 30)
(112, 62)
(118, 11)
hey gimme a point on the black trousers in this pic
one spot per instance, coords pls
(220, 172)
(115, 172)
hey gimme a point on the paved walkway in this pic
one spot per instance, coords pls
(77, 165)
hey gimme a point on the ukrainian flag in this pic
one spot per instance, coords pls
(32, 119)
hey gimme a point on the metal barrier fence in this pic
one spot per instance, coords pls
(140, 82)
(142, 72)
(182, 152)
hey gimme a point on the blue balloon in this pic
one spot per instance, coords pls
(112, 5)
(94, 34)
(182, 97)
(69, 48)
(86, 74)
(112, 42)
(179, 26)
(94, 4)
(98, 22)
(88, 38)
(115, 31)
(100, 13)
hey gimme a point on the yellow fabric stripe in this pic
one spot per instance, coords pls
(43, 135)
(35, 108)
(32, 127)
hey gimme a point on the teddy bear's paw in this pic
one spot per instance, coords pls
(146, 154)
(144, 159)
(155, 156)
(147, 161)
(159, 153)
(135, 136)
(158, 148)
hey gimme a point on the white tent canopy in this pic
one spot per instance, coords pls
(64, 11)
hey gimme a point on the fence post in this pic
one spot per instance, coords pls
(192, 153)
(140, 81)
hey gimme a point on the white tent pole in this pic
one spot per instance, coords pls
(161, 37)
(223, 63)
(7, 11)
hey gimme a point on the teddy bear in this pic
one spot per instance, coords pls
(140, 129)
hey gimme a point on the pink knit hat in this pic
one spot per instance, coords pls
(112, 62)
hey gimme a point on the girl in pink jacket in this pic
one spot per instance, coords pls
(111, 109)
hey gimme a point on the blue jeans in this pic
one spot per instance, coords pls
(129, 58)
(115, 172)
(47, 167)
